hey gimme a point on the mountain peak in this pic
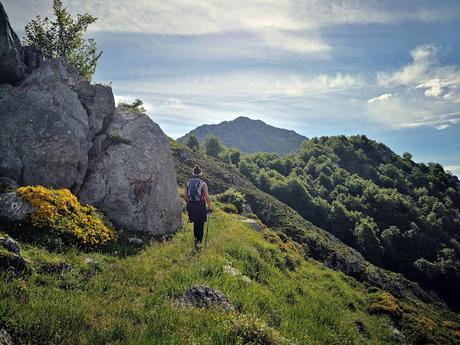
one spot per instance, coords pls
(249, 135)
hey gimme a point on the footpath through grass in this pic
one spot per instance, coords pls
(131, 299)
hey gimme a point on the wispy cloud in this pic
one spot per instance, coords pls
(428, 92)
(381, 98)
(288, 25)
(427, 74)
(248, 85)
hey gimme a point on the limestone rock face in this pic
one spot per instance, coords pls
(59, 130)
(12, 66)
(131, 175)
(45, 134)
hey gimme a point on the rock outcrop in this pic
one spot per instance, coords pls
(129, 175)
(15, 60)
(12, 66)
(45, 136)
(59, 130)
(204, 297)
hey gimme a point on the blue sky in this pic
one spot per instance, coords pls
(387, 69)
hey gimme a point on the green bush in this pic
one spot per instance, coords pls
(232, 196)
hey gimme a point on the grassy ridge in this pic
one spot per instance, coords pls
(130, 300)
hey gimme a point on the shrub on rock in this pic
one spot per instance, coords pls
(61, 212)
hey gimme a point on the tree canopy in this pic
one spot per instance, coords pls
(64, 37)
(401, 215)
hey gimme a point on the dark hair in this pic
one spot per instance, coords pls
(196, 171)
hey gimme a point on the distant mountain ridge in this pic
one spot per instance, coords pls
(250, 135)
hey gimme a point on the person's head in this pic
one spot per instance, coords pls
(196, 171)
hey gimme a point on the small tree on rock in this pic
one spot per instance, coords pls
(136, 105)
(63, 37)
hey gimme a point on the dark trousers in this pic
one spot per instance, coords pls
(198, 231)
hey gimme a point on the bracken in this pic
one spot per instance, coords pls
(60, 211)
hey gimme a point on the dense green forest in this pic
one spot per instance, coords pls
(401, 215)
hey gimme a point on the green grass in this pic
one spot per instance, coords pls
(130, 300)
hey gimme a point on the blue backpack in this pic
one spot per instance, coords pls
(194, 189)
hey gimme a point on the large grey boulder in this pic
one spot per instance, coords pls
(131, 175)
(59, 130)
(45, 135)
(12, 66)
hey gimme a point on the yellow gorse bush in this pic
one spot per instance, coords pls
(60, 211)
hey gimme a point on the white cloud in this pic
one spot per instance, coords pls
(248, 85)
(428, 93)
(442, 126)
(381, 98)
(288, 25)
(455, 169)
(427, 74)
(172, 103)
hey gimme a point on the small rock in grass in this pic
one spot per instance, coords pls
(65, 267)
(5, 338)
(93, 263)
(13, 262)
(246, 279)
(247, 209)
(135, 240)
(204, 297)
(397, 334)
(231, 270)
(11, 245)
(19, 263)
(253, 224)
(235, 272)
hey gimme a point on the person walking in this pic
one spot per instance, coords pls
(197, 197)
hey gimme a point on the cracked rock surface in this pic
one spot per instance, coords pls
(59, 130)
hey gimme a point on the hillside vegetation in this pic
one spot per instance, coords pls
(129, 296)
(130, 291)
(315, 242)
(250, 135)
(399, 214)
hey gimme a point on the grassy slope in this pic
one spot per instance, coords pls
(320, 244)
(130, 300)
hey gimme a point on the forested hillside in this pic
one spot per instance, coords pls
(317, 243)
(250, 135)
(399, 214)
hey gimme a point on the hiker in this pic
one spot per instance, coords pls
(197, 196)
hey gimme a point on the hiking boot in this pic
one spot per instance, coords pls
(198, 246)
